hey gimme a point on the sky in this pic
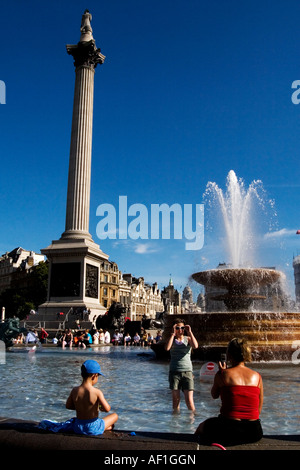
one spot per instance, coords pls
(189, 90)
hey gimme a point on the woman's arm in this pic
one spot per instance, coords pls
(215, 390)
(192, 339)
(169, 344)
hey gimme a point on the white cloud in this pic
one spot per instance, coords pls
(284, 232)
(144, 248)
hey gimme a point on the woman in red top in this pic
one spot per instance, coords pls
(241, 393)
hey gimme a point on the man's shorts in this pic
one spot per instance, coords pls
(181, 380)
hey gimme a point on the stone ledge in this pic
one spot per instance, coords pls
(19, 434)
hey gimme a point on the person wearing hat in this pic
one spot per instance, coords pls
(87, 401)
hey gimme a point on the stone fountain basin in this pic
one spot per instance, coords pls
(243, 278)
(271, 335)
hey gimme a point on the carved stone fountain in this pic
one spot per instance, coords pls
(271, 333)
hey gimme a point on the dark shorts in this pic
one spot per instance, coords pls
(230, 431)
(181, 380)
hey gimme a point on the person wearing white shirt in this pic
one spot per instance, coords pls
(106, 337)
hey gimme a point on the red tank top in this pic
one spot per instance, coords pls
(240, 401)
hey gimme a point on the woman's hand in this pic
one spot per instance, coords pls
(188, 330)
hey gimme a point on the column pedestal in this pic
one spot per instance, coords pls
(74, 279)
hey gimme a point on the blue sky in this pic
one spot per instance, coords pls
(190, 89)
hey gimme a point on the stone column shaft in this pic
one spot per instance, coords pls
(78, 198)
(86, 58)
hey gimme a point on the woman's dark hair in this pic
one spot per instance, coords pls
(178, 320)
(239, 350)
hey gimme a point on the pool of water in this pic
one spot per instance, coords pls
(35, 386)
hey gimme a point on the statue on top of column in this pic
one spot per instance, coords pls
(86, 29)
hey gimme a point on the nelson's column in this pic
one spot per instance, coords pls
(75, 259)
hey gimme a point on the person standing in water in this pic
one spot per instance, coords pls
(180, 345)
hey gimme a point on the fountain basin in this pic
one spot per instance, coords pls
(271, 335)
(242, 278)
(243, 284)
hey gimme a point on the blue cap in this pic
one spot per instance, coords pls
(92, 367)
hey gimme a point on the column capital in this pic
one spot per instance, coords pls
(86, 53)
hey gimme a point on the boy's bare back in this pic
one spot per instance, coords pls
(87, 400)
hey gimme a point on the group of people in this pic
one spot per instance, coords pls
(32, 337)
(145, 339)
(82, 338)
(239, 388)
(86, 338)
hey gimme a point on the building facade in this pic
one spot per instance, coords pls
(109, 283)
(140, 299)
(187, 303)
(296, 266)
(11, 263)
(171, 300)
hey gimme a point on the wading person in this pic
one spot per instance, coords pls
(180, 345)
(241, 392)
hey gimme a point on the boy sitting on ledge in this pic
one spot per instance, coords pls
(87, 401)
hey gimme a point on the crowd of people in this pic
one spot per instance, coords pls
(69, 338)
(32, 337)
(87, 338)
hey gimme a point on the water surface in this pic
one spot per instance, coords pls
(36, 386)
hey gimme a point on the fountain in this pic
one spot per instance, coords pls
(241, 287)
(242, 284)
